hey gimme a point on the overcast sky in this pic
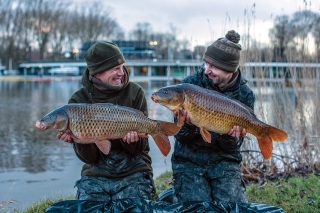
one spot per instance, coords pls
(202, 21)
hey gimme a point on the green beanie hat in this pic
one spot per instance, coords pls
(224, 53)
(103, 56)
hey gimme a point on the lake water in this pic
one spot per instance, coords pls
(35, 165)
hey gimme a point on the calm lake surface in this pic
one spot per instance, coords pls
(35, 165)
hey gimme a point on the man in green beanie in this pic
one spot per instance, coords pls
(126, 171)
(211, 171)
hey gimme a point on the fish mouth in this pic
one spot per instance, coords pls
(40, 125)
(154, 97)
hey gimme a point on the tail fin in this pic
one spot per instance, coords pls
(277, 134)
(265, 142)
(266, 147)
(169, 128)
(161, 138)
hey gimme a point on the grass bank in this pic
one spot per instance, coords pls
(300, 193)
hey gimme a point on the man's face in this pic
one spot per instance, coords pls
(113, 76)
(219, 77)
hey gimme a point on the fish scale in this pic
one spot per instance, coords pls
(99, 123)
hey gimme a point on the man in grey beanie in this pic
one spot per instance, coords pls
(211, 171)
(126, 171)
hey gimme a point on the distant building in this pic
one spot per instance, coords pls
(132, 50)
(2, 68)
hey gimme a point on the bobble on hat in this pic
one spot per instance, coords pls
(224, 53)
(233, 36)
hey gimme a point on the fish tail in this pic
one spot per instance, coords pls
(161, 138)
(266, 142)
(266, 146)
(277, 134)
(169, 128)
(162, 142)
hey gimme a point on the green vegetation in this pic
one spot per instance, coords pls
(294, 194)
(42, 205)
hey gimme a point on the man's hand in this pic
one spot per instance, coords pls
(184, 115)
(235, 132)
(65, 137)
(131, 137)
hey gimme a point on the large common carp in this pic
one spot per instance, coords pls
(98, 123)
(210, 110)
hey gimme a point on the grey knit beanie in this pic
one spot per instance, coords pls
(224, 53)
(103, 56)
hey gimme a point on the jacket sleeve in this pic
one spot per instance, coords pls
(250, 99)
(87, 153)
(186, 133)
(140, 103)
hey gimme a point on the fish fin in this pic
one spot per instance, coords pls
(245, 136)
(266, 146)
(205, 135)
(162, 142)
(266, 142)
(180, 118)
(161, 138)
(277, 134)
(104, 146)
(169, 128)
(143, 135)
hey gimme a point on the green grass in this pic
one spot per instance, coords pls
(42, 205)
(296, 194)
(164, 181)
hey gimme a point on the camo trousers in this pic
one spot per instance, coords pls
(137, 185)
(223, 184)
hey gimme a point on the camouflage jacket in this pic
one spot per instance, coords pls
(190, 146)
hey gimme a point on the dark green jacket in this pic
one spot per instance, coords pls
(190, 146)
(123, 158)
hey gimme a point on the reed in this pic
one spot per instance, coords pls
(289, 101)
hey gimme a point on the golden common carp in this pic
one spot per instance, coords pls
(98, 123)
(212, 111)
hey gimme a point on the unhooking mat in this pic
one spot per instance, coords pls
(147, 206)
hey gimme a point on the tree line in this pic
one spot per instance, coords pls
(54, 27)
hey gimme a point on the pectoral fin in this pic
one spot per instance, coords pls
(104, 146)
(143, 135)
(205, 135)
(180, 119)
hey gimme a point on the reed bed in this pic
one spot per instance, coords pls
(287, 98)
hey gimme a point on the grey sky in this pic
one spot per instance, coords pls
(201, 21)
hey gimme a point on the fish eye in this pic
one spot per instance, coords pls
(165, 91)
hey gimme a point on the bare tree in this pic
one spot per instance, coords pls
(7, 30)
(60, 36)
(280, 36)
(141, 32)
(91, 22)
(303, 22)
(40, 17)
(316, 36)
